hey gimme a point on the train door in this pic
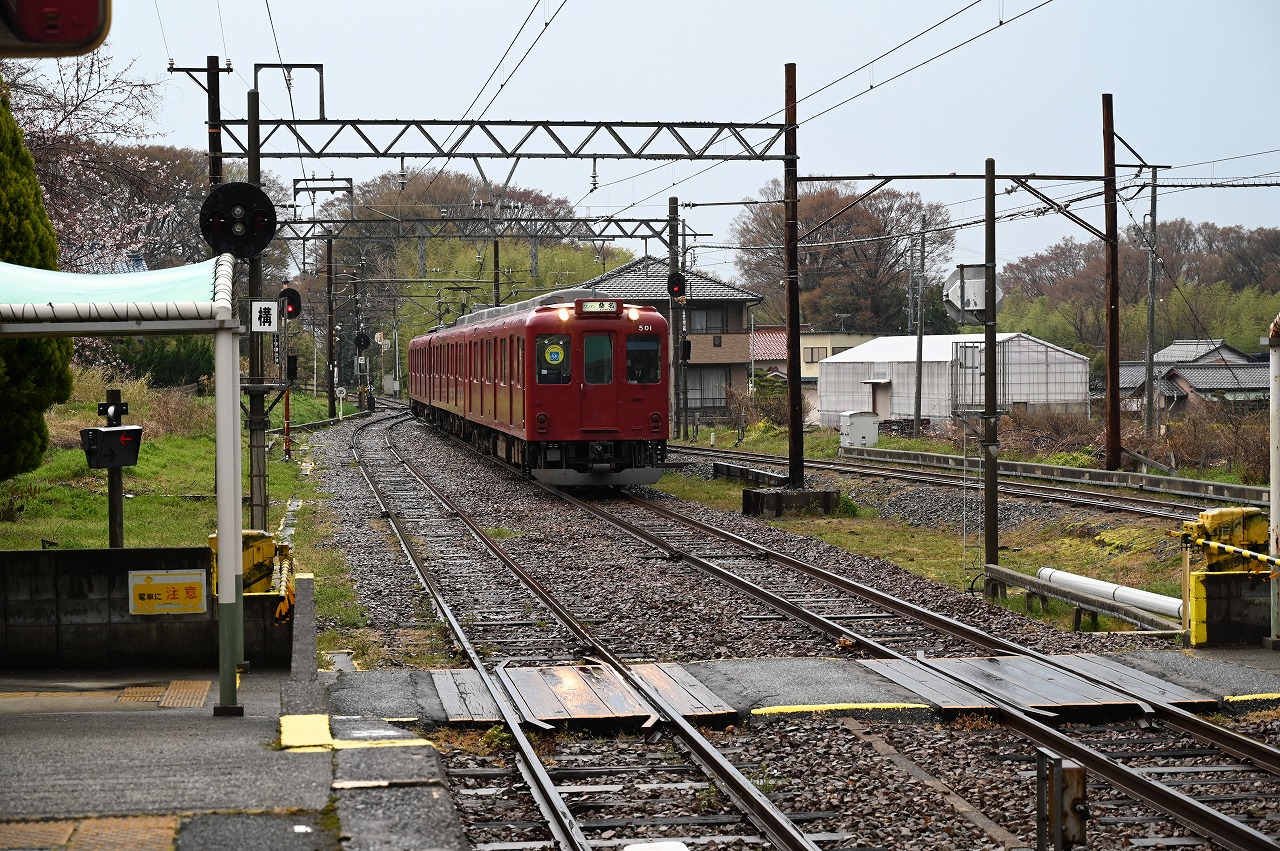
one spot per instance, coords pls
(599, 390)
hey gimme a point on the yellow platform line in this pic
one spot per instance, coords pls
(310, 733)
(840, 707)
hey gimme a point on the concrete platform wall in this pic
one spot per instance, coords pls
(70, 608)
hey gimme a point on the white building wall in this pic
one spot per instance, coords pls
(935, 394)
(841, 388)
(1031, 372)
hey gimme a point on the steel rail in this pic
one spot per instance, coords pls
(1182, 808)
(1243, 747)
(763, 813)
(564, 827)
(1008, 486)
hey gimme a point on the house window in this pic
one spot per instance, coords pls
(706, 386)
(813, 354)
(707, 320)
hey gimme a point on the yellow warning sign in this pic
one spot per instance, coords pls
(554, 354)
(166, 592)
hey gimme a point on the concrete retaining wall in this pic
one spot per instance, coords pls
(69, 608)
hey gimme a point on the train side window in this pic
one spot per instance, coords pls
(644, 358)
(554, 363)
(519, 361)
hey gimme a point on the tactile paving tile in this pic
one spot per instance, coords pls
(141, 833)
(186, 693)
(142, 694)
(34, 834)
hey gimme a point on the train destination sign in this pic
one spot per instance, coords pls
(610, 306)
(166, 592)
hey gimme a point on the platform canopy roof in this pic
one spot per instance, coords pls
(186, 299)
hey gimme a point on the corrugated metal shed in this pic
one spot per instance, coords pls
(880, 376)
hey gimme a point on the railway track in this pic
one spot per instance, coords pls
(1205, 769)
(1153, 761)
(1110, 500)
(754, 810)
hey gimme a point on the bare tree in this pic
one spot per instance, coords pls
(858, 264)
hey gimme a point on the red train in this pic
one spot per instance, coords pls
(572, 387)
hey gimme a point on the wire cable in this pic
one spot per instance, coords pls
(845, 102)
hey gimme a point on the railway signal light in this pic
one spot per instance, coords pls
(237, 219)
(676, 285)
(292, 303)
(362, 341)
(113, 446)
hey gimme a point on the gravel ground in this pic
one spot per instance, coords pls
(859, 769)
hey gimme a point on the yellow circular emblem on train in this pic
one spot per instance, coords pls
(553, 354)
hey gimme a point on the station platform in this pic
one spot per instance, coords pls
(137, 760)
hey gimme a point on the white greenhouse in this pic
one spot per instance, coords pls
(880, 376)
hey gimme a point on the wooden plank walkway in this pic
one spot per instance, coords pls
(579, 693)
(1031, 685)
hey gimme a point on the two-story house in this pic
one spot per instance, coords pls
(715, 322)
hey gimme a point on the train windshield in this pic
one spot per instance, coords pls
(644, 358)
(597, 358)
(553, 358)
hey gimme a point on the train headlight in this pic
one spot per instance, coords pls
(633, 314)
(655, 421)
(541, 420)
(564, 314)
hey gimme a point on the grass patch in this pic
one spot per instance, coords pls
(1137, 553)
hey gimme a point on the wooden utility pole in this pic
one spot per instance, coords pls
(1112, 243)
(791, 241)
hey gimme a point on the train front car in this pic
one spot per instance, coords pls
(596, 393)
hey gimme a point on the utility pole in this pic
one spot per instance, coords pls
(677, 313)
(330, 364)
(1149, 407)
(1112, 243)
(919, 329)
(257, 422)
(791, 242)
(990, 409)
(212, 86)
(496, 298)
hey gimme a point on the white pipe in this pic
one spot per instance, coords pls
(1145, 600)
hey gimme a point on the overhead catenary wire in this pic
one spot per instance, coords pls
(845, 102)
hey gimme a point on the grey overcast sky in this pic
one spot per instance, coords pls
(1196, 85)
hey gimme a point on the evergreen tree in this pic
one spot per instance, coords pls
(34, 373)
